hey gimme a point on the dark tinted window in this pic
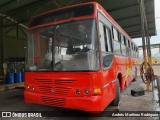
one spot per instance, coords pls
(115, 34)
(101, 30)
(119, 36)
(108, 40)
(129, 44)
(124, 40)
(63, 15)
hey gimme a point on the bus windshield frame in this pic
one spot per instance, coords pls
(86, 51)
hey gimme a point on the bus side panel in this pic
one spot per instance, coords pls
(122, 68)
(109, 89)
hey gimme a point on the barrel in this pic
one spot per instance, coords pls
(18, 77)
(10, 78)
(22, 76)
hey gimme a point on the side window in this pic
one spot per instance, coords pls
(132, 50)
(108, 40)
(136, 54)
(129, 44)
(132, 46)
(115, 34)
(101, 30)
(125, 43)
(135, 51)
(119, 36)
(122, 39)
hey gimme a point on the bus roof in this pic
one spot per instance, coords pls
(98, 7)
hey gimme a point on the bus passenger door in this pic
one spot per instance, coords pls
(107, 61)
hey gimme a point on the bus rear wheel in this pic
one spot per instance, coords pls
(116, 101)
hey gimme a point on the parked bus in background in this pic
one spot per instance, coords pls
(78, 58)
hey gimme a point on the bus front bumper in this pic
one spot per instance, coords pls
(89, 104)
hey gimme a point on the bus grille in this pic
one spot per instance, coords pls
(44, 81)
(63, 82)
(57, 90)
(52, 101)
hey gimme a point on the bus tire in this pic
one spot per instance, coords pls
(116, 101)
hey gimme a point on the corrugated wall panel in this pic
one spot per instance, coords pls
(14, 47)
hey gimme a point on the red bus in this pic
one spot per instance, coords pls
(78, 58)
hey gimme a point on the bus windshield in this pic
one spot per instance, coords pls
(71, 46)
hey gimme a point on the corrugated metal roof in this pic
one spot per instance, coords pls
(125, 12)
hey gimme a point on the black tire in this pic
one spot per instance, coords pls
(116, 101)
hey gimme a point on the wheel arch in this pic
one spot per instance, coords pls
(119, 76)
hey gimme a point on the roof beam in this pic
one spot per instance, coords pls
(70, 2)
(135, 25)
(125, 7)
(136, 32)
(6, 32)
(152, 45)
(19, 9)
(22, 31)
(7, 17)
(128, 26)
(17, 23)
(121, 19)
(131, 17)
(6, 3)
(120, 8)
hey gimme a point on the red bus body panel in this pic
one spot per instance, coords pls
(58, 89)
(65, 85)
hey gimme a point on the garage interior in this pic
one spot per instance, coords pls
(15, 16)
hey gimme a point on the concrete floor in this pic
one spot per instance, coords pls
(156, 69)
(13, 100)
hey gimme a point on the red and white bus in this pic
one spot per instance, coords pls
(78, 58)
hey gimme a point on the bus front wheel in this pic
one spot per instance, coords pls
(115, 102)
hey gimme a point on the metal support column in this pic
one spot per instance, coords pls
(148, 45)
(149, 51)
(142, 12)
(1, 46)
(147, 38)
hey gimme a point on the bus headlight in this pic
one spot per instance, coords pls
(78, 92)
(86, 91)
(32, 88)
(27, 86)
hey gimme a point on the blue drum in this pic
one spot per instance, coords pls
(18, 77)
(22, 76)
(10, 78)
